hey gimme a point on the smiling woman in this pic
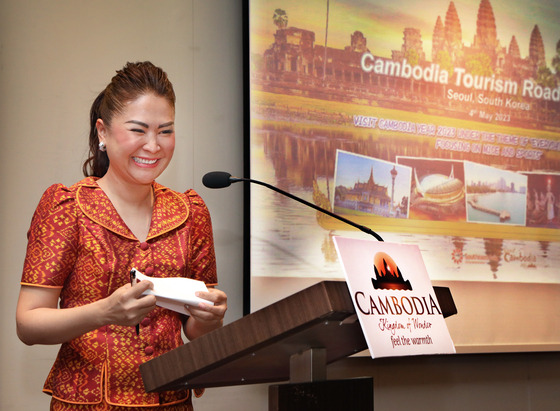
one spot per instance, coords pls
(85, 239)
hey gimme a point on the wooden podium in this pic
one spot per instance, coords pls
(291, 340)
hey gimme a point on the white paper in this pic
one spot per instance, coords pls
(174, 292)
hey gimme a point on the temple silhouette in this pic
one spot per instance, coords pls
(387, 274)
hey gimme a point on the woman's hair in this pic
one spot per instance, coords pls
(133, 81)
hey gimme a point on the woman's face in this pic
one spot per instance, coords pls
(140, 140)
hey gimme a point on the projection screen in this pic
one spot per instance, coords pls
(433, 123)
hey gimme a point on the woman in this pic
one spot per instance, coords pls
(85, 239)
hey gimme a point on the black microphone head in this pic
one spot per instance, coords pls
(216, 179)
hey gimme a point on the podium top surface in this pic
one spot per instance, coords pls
(257, 348)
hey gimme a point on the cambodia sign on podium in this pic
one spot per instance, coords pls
(394, 299)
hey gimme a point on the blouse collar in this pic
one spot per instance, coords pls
(170, 209)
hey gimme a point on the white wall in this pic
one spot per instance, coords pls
(55, 56)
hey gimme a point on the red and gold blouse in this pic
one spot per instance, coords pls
(78, 242)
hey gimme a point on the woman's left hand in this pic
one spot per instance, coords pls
(206, 317)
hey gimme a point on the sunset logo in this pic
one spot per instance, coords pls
(457, 256)
(387, 274)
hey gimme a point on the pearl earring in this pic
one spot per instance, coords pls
(102, 146)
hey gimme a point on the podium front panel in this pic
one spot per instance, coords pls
(257, 347)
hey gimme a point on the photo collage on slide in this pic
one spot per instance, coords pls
(445, 190)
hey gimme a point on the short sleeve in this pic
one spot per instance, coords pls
(202, 257)
(52, 239)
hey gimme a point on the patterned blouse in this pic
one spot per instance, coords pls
(78, 242)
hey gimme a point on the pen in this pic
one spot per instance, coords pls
(132, 278)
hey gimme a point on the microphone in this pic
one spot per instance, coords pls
(222, 179)
(218, 179)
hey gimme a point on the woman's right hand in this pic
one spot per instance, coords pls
(40, 321)
(127, 306)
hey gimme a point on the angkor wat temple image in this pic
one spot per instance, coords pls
(295, 64)
(447, 38)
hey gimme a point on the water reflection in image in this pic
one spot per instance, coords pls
(289, 239)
